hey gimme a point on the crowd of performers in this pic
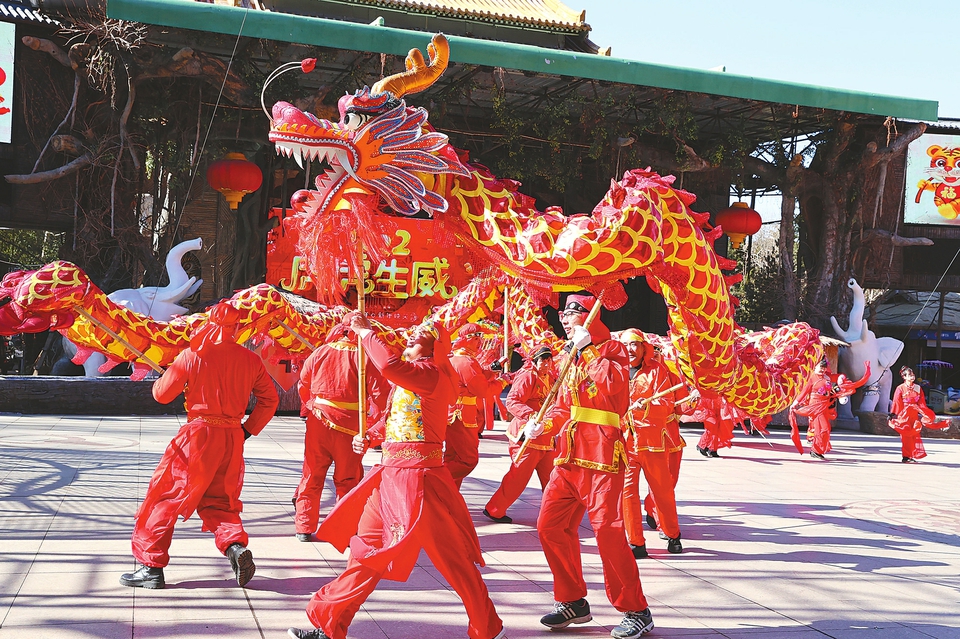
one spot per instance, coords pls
(614, 415)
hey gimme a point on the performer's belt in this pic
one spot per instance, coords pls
(594, 416)
(212, 420)
(336, 404)
(412, 454)
(331, 425)
(467, 400)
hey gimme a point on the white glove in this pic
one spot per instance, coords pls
(532, 428)
(844, 399)
(581, 337)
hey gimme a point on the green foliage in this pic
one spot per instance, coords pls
(25, 248)
(761, 292)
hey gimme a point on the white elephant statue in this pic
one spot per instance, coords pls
(865, 346)
(157, 302)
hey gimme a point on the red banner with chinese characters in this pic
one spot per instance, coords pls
(400, 290)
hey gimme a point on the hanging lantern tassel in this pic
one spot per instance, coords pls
(738, 222)
(234, 176)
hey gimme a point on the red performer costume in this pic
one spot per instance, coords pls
(588, 477)
(409, 501)
(654, 445)
(329, 390)
(462, 450)
(911, 415)
(202, 467)
(817, 401)
(718, 425)
(530, 387)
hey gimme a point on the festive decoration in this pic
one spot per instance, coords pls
(386, 155)
(738, 222)
(234, 176)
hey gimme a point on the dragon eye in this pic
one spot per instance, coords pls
(354, 121)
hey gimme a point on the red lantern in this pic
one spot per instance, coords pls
(738, 222)
(234, 176)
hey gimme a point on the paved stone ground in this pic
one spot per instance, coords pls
(776, 545)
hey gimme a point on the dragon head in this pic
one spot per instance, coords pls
(380, 146)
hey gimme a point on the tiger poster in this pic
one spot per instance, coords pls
(933, 180)
(8, 35)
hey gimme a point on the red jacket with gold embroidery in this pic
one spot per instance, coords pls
(524, 400)
(473, 387)
(330, 385)
(655, 427)
(589, 408)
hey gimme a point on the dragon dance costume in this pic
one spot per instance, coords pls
(588, 476)
(912, 414)
(462, 451)
(329, 390)
(653, 445)
(202, 467)
(530, 388)
(406, 503)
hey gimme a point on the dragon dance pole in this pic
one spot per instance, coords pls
(506, 329)
(361, 358)
(297, 335)
(567, 365)
(133, 349)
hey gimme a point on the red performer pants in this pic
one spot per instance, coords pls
(911, 444)
(661, 502)
(650, 503)
(333, 607)
(461, 453)
(202, 471)
(518, 476)
(323, 446)
(820, 424)
(571, 492)
(716, 436)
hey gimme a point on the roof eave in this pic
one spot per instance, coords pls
(187, 14)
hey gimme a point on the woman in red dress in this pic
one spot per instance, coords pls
(911, 415)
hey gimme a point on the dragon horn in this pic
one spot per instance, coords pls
(419, 75)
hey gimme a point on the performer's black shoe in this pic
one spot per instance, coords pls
(909, 460)
(500, 520)
(816, 455)
(651, 522)
(144, 577)
(713, 453)
(304, 537)
(242, 561)
(634, 624)
(674, 546)
(316, 633)
(703, 451)
(639, 552)
(566, 613)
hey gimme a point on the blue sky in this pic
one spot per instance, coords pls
(876, 47)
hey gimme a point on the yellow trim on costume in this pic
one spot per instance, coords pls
(467, 400)
(589, 353)
(594, 416)
(336, 404)
(342, 346)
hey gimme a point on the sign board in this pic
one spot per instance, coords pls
(8, 38)
(401, 289)
(933, 180)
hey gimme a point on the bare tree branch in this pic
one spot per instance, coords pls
(47, 176)
(897, 240)
(40, 44)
